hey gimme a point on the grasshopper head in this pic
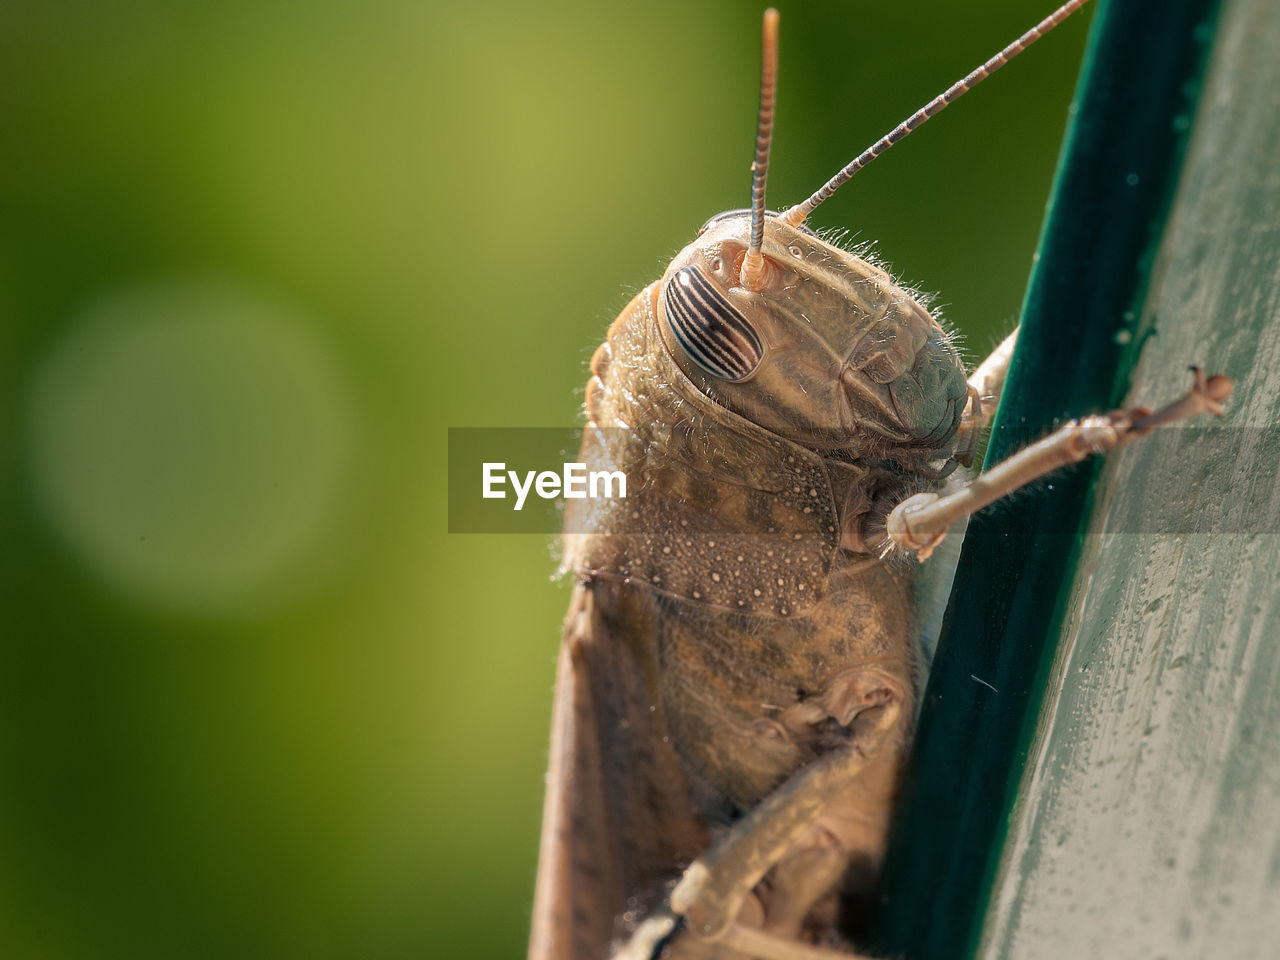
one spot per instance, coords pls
(808, 340)
(822, 348)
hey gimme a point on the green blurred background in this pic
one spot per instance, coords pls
(255, 258)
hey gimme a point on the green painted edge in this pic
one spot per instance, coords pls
(1112, 192)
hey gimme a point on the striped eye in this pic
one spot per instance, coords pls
(715, 335)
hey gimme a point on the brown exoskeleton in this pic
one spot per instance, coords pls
(738, 679)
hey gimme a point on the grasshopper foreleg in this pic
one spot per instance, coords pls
(714, 913)
(715, 885)
(985, 387)
(920, 522)
(714, 893)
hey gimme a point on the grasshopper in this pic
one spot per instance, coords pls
(740, 668)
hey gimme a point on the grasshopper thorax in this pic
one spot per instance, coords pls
(823, 348)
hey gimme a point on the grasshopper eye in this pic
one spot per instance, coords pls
(714, 334)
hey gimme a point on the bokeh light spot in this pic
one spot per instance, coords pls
(189, 441)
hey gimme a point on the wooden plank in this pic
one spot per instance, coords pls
(992, 675)
(1148, 822)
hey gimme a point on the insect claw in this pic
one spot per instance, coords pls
(650, 938)
(686, 896)
(1206, 395)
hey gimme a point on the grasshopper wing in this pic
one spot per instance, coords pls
(618, 824)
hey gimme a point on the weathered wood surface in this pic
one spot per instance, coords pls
(1148, 817)
(993, 674)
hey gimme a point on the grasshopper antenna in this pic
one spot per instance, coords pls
(753, 271)
(797, 214)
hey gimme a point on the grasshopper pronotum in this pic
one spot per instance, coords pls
(737, 683)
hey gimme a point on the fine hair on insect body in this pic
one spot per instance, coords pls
(740, 668)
